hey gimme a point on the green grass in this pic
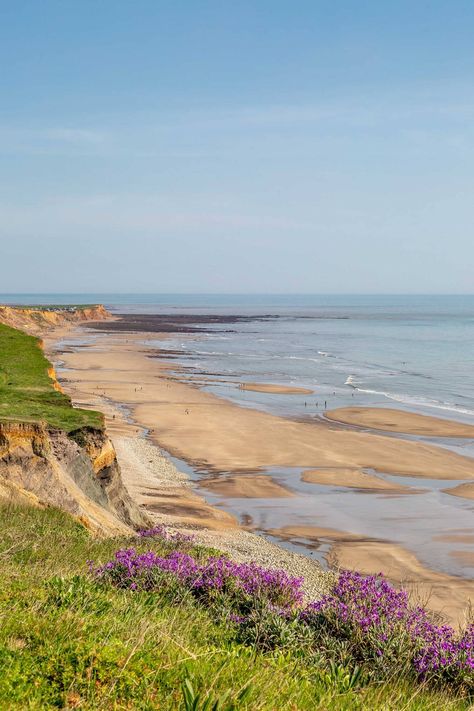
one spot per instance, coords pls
(26, 391)
(67, 641)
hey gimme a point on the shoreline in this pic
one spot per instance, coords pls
(143, 464)
(147, 469)
(400, 422)
(111, 375)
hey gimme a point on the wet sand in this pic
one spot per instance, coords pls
(445, 594)
(314, 534)
(465, 491)
(275, 389)
(464, 557)
(455, 538)
(353, 479)
(259, 486)
(392, 420)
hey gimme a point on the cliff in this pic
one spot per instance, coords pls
(78, 473)
(37, 320)
(51, 453)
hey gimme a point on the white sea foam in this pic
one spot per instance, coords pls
(419, 401)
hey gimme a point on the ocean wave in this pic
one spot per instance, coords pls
(305, 358)
(420, 401)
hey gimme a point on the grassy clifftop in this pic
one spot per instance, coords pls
(70, 641)
(28, 393)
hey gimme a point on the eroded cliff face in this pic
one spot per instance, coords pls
(78, 473)
(37, 321)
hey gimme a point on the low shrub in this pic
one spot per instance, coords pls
(241, 585)
(381, 628)
(364, 622)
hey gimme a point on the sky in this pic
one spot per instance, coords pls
(251, 146)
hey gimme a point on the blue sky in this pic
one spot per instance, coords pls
(250, 146)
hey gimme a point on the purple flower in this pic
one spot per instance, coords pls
(161, 532)
(367, 612)
(217, 575)
(369, 609)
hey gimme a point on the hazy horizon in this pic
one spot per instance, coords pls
(235, 293)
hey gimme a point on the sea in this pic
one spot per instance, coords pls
(412, 352)
(404, 351)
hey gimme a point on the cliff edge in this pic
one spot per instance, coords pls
(40, 319)
(52, 454)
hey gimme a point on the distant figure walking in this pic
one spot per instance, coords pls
(325, 404)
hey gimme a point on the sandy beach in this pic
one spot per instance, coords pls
(219, 435)
(251, 486)
(465, 491)
(390, 420)
(138, 392)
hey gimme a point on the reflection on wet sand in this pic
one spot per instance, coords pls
(246, 486)
(353, 479)
(275, 389)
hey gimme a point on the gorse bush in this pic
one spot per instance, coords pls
(363, 621)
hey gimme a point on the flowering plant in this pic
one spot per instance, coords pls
(381, 625)
(241, 583)
(363, 621)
